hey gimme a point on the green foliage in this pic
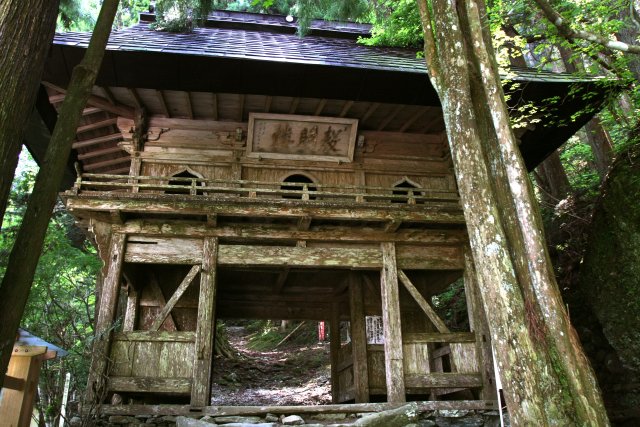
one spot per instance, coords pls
(307, 10)
(395, 23)
(266, 334)
(181, 16)
(76, 15)
(61, 304)
(451, 306)
(81, 15)
(577, 158)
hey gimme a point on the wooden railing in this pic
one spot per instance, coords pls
(88, 183)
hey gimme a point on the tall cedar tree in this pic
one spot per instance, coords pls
(545, 374)
(16, 284)
(26, 31)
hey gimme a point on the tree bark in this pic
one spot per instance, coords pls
(547, 378)
(26, 31)
(16, 284)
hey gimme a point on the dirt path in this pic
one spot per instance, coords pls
(289, 375)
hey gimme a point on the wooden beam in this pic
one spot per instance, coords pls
(98, 165)
(172, 204)
(358, 340)
(345, 108)
(304, 223)
(160, 318)
(393, 355)
(206, 324)
(334, 350)
(294, 105)
(131, 311)
(97, 125)
(281, 280)
(155, 336)
(107, 104)
(315, 234)
(108, 95)
(443, 380)
(372, 109)
(392, 226)
(214, 106)
(431, 337)
(267, 103)
(150, 385)
(479, 327)
(156, 291)
(320, 107)
(185, 124)
(136, 98)
(95, 141)
(412, 119)
(16, 406)
(163, 103)
(13, 383)
(424, 305)
(437, 118)
(98, 153)
(347, 408)
(424, 258)
(91, 110)
(106, 317)
(189, 105)
(241, 108)
(390, 117)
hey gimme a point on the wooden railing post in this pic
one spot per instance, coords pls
(193, 190)
(411, 200)
(134, 172)
(305, 192)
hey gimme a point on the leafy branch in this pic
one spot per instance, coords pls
(570, 33)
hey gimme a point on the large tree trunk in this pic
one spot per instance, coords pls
(16, 284)
(546, 377)
(26, 31)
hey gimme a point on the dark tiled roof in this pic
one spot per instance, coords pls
(251, 44)
(256, 45)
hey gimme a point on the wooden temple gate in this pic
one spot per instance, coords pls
(323, 190)
(172, 271)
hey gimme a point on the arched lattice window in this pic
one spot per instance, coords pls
(301, 179)
(184, 182)
(402, 189)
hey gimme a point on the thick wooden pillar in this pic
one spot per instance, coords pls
(334, 331)
(205, 329)
(358, 339)
(104, 325)
(479, 325)
(393, 357)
